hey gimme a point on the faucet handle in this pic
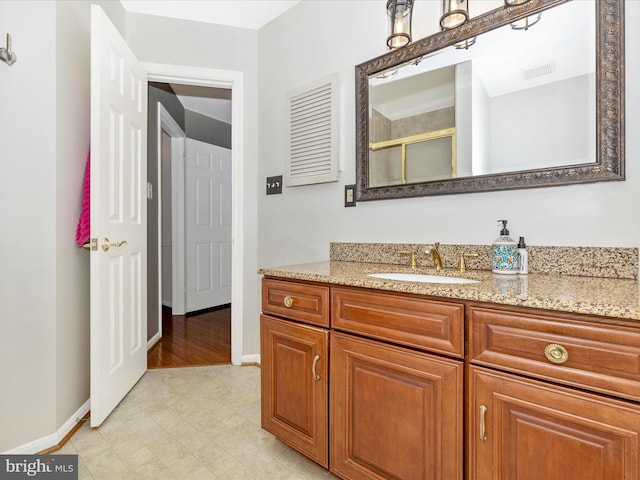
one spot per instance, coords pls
(462, 265)
(412, 252)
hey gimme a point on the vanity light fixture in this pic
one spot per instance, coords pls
(387, 74)
(525, 23)
(399, 12)
(454, 13)
(465, 44)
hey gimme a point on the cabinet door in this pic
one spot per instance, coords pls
(395, 413)
(521, 429)
(294, 369)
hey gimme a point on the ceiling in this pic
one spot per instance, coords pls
(252, 14)
(212, 102)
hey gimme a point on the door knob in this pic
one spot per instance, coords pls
(106, 244)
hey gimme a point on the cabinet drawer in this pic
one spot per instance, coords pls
(604, 358)
(406, 320)
(297, 301)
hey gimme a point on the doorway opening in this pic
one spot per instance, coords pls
(217, 311)
(196, 339)
(189, 224)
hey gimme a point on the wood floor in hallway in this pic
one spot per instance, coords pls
(197, 339)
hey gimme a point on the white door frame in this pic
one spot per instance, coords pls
(167, 122)
(208, 77)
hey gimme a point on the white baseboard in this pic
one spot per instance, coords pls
(54, 439)
(152, 341)
(250, 359)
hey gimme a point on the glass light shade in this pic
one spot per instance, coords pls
(525, 23)
(465, 44)
(454, 13)
(515, 2)
(399, 12)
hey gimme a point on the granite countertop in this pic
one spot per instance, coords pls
(610, 297)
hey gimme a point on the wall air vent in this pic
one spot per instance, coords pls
(313, 133)
(539, 71)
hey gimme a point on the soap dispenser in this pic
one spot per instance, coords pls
(505, 257)
(523, 257)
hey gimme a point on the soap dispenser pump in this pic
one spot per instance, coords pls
(505, 258)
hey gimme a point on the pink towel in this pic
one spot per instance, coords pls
(84, 222)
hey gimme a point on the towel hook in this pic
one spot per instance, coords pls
(6, 55)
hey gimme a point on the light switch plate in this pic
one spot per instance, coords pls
(350, 195)
(274, 185)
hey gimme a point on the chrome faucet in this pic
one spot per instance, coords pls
(435, 254)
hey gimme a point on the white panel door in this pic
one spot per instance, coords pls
(118, 218)
(208, 225)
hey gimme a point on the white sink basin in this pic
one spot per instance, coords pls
(420, 277)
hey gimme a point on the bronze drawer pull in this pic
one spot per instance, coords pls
(288, 301)
(483, 429)
(313, 368)
(556, 353)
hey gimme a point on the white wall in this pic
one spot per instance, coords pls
(179, 42)
(72, 264)
(298, 225)
(465, 114)
(482, 126)
(28, 219)
(560, 139)
(44, 120)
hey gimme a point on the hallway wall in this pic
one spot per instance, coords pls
(158, 92)
(207, 129)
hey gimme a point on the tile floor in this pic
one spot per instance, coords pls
(199, 423)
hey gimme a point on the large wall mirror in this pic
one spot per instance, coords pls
(519, 97)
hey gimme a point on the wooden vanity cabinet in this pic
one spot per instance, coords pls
(396, 413)
(373, 386)
(395, 373)
(525, 422)
(295, 366)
